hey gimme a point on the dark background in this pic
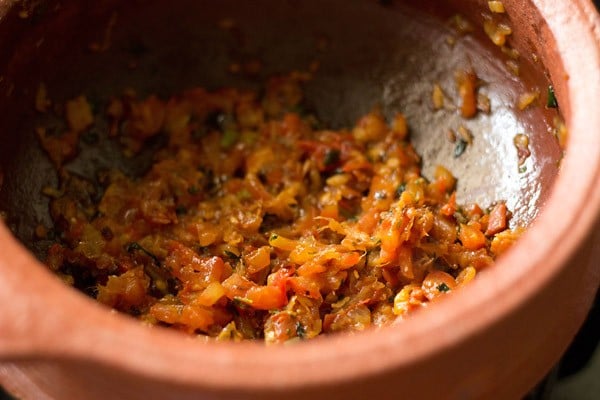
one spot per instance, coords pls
(577, 374)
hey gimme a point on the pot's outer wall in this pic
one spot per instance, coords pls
(496, 352)
(501, 362)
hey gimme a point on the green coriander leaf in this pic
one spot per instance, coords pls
(552, 102)
(460, 148)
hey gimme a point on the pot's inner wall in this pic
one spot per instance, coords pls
(370, 54)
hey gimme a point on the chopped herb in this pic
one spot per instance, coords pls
(229, 137)
(460, 218)
(400, 189)
(522, 169)
(347, 213)
(460, 148)
(273, 237)
(135, 246)
(249, 137)
(244, 194)
(299, 109)
(202, 250)
(198, 132)
(231, 255)
(193, 190)
(90, 137)
(163, 282)
(552, 102)
(300, 330)
(216, 121)
(106, 232)
(242, 302)
(332, 156)
(442, 287)
(180, 210)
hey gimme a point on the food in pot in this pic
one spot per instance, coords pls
(257, 222)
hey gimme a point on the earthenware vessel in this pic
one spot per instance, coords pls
(493, 340)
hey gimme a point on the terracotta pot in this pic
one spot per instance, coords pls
(492, 340)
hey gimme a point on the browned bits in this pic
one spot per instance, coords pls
(107, 233)
(483, 103)
(527, 99)
(462, 25)
(496, 31)
(146, 120)
(465, 134)
(400, 126)
(513, 67)
(450, 40)
(41, 232)
(437, 97)
(498, 219)
(52, 192)
(496, 7)
(60, 148)
(370, 128)
(451, 136)
(521, 142)
(466, 82)
(561, 132)
(510, 52)
(78, 114)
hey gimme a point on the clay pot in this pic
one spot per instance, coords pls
(492, 340)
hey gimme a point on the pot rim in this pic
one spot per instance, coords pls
(99, 335)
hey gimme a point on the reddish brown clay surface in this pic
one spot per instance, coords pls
(492, 340)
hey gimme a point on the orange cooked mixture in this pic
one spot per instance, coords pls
(254, 222)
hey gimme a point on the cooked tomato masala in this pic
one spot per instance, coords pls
(257, 222)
